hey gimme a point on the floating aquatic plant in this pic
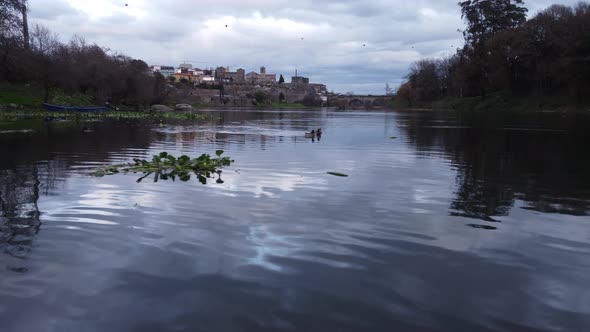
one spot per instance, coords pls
(168, 167)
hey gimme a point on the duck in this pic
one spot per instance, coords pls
(311, 134)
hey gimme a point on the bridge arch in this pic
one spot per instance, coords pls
(356, 103)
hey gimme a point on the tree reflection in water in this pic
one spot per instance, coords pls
(506, 156)
(33, 168)
(19, 212)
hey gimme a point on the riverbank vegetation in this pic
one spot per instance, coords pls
(36, 59)
(12, 115)
(509, 61)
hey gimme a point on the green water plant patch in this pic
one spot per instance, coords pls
(167, 167)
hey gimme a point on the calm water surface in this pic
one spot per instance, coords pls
(465, 222)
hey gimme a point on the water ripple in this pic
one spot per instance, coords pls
(454, 226)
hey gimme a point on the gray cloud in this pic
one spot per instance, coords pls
(350, 45)
(52, 10)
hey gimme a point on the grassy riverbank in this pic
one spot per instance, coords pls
(24, 102)
(19, 100)
(20, 95)
(26, 96)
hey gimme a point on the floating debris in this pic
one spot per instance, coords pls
(338, 174)
(486, 227)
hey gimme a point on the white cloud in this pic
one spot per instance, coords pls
(351, 45)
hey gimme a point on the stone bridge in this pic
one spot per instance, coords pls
(355, 101)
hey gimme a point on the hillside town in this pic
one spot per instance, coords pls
(221, 86)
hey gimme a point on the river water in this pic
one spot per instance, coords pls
(463, 222)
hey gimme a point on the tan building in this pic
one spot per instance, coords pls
(223, 74)
(261, 78)
(189, 76)
(252, 77)
(220, 72)
(237, 76)
(299, 80)
(319, 88)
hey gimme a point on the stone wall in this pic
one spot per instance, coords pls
(241, 94)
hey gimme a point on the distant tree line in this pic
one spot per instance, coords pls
(547, 55)
(40, 59)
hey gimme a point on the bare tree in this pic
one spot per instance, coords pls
(388, 90)
(41, 66)
(10, 21)
(43, 41)
(25, 23)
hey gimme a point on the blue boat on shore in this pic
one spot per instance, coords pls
(62, 108)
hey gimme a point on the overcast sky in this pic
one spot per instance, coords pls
(349, 45)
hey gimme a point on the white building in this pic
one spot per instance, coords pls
(166, 71)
